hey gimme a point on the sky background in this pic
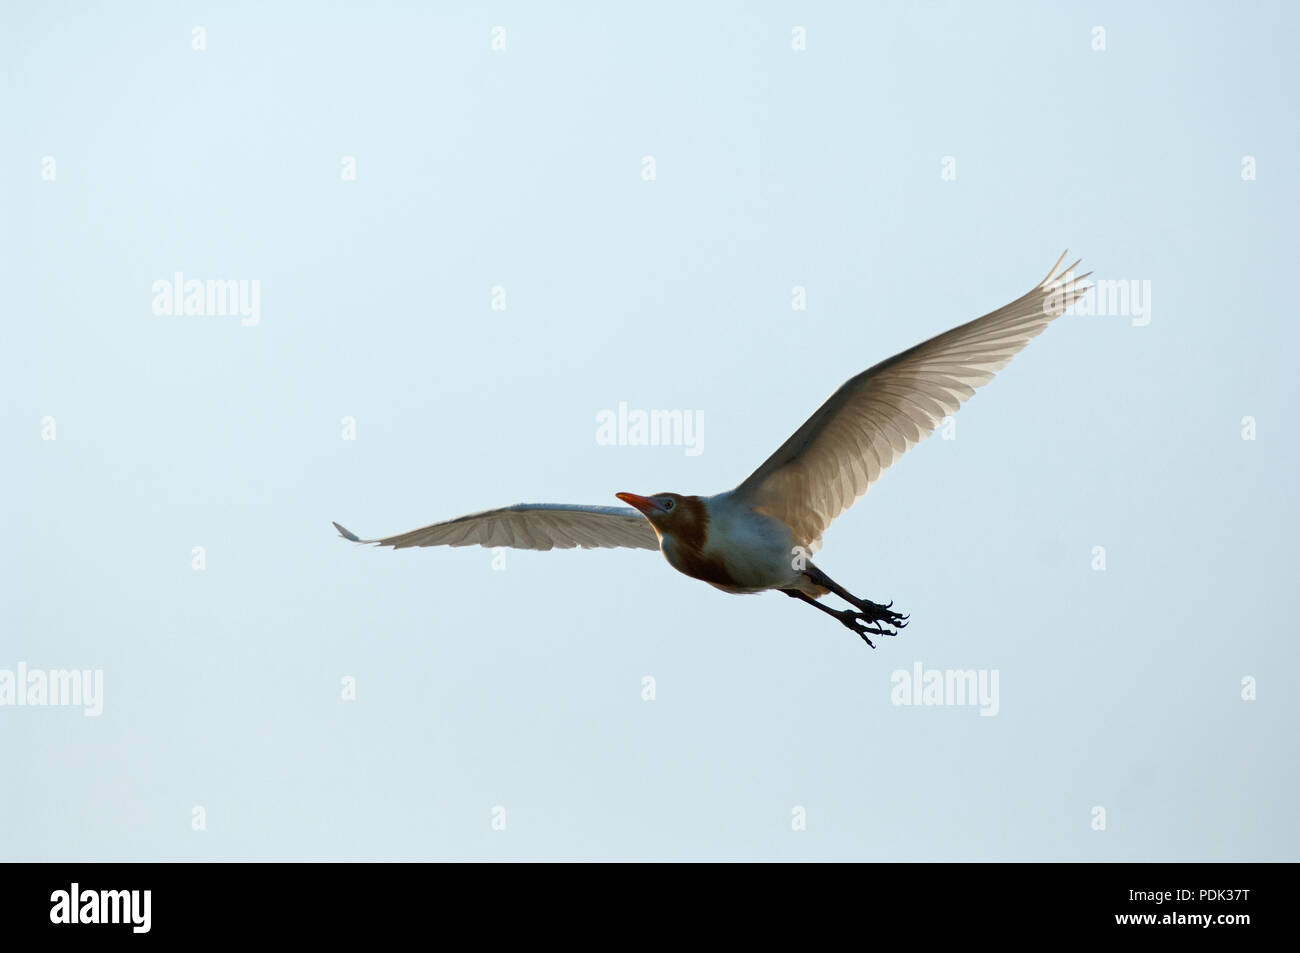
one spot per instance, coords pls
(522, 687)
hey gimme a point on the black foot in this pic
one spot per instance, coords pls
(861, 623)
(875, 612)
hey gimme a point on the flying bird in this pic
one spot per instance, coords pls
(760, 535)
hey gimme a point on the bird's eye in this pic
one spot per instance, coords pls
(668, 504)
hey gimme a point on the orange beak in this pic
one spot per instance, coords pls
(645, 505)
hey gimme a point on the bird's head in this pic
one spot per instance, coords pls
(671, 514)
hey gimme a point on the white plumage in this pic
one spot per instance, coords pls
(758, 536)
(532, 526)
(874, 418)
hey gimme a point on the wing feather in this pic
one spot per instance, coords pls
(531, 526)
(877, 416)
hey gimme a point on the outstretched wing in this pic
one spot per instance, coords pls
(874, 418)
(532, 526)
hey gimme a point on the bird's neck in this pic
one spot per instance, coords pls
(690, 525)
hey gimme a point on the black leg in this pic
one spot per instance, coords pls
(872, 611)
(851, 618)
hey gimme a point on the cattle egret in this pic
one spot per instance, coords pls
(759, 535)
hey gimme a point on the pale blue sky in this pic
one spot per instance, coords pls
(522, 168)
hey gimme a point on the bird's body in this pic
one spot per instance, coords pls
(731, 546)
(760, 536)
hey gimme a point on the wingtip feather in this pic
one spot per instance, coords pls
(347, 534)
(1052, 274)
